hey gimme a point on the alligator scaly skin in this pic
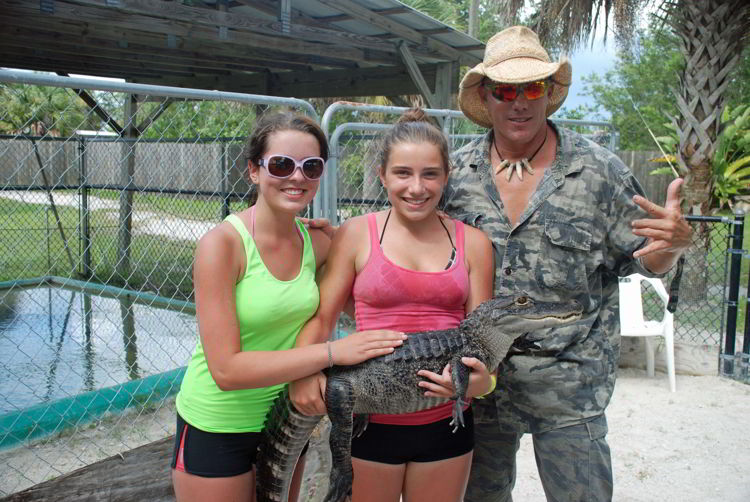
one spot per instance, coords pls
(287, 431)
(388, 384)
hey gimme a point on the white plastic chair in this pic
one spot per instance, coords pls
(632, 322)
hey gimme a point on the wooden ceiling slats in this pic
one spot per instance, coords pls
(344, 49)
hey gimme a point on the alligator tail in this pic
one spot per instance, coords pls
(285, 434)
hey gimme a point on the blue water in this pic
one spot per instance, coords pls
(56, 343)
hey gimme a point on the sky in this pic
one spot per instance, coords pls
(585, 61)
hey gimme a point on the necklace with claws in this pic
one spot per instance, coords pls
(520, 165)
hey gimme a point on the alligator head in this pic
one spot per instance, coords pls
(500, 320)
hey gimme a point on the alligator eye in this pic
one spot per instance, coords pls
(522, 300)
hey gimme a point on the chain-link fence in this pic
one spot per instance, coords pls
(101, 208)
(97, 234)
(712, 308)
(353, 186)
(704, 288)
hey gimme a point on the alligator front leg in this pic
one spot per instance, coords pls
(340, 405)
(460, 377)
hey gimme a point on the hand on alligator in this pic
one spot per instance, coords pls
(308, 394)
(441, 385)
(364, 345)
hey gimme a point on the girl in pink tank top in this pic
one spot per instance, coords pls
(408, 269)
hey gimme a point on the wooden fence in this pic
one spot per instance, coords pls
(188, 166)
(655, 186)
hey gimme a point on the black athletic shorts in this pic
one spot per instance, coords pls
(399, 444)
(214, 454)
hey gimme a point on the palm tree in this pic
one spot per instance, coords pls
(711, 34)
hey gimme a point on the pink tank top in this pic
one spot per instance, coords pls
(387, 296)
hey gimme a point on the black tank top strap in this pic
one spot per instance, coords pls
(382, 232)
(447, 232)
(453, 246)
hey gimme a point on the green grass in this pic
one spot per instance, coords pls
(189, 207)
(31, 246)
(27, 230)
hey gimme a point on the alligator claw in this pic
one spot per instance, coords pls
(360, 425)
(339, 486)
(458, 414)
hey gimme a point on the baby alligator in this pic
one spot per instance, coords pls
(388, 384)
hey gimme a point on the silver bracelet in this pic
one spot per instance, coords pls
(330, 356)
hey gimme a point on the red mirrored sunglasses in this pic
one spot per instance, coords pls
(282, 166)
(509, 92)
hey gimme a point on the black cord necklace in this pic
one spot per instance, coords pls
(520, 165)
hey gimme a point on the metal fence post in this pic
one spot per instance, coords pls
(733, 294)
(224, 181)
(85, 233)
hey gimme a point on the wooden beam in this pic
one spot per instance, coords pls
(92, 34)
(142, 473)
(88, 67)
(150, 47)
(243, 23)
(155, 114)
(68, 48)
(446, 75)
(416, 75)
(361, 82)
(51, 65)
(101, 112)
(299, 18)
(362, 13)
(271, 8)
(12, 50)
(133, 23)
(379, 81)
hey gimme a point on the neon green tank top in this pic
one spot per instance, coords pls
(271, 314)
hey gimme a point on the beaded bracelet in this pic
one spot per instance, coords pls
(493, 384)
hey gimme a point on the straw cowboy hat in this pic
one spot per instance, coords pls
(513, 56)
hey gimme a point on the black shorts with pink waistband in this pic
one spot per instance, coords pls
(214, 454)
(400, 444)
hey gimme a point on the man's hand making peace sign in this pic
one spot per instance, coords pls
(667, 231)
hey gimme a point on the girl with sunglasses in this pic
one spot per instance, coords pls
(409, 269)
(255, 287)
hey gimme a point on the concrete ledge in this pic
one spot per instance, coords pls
(688, 359)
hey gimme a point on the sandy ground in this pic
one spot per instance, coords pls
(690, 446)
(687, 446)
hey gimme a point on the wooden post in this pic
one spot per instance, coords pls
(127, 178)
(444, 77)
(416, 74)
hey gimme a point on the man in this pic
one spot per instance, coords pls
(566, 218)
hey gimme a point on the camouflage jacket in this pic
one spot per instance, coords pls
(572, 241)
